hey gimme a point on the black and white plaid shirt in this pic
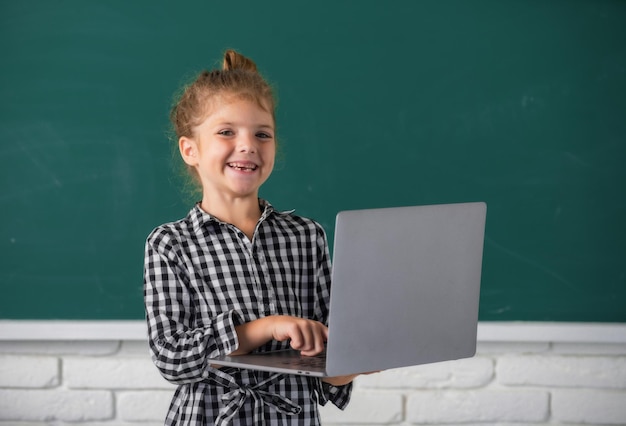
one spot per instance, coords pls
(202, 277)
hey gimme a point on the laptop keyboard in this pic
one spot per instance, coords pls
(316, 361)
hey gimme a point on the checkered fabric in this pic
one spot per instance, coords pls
(202, 277)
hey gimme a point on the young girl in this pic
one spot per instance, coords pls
(235, 275)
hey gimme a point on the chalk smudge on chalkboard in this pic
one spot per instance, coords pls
(529, 261)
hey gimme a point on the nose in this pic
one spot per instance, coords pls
(246, 143)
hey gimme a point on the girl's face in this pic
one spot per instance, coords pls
(233, 149)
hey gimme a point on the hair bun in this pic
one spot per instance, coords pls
(234, 60)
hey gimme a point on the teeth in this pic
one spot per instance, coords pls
(241, 167)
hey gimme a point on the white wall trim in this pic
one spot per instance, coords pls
(13, 330)
(562, 332)
(72, 330)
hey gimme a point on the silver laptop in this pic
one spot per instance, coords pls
(405, 291)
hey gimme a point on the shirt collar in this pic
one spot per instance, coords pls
(199, 217)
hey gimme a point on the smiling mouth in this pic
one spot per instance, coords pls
(243, 166)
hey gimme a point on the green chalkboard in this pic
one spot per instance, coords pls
(521, 104)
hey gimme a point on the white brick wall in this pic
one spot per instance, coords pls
(543, 382)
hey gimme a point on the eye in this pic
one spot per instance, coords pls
(264, 135)
(226, 132)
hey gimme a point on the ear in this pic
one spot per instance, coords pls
(188, 150)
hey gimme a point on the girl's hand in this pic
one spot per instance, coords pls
(344, 380)
(307, 336)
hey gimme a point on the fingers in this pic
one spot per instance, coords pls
(314, 335)
(307, 336)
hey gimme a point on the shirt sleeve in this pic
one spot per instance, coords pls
(180, 349)
(322, 276)
(338, 395)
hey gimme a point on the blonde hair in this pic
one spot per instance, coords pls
(238, 78)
